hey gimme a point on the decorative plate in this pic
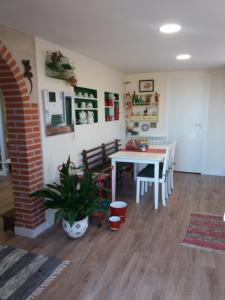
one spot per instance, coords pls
(144, 127)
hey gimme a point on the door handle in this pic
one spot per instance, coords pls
(198, 125)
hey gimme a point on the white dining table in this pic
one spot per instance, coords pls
(137, 158)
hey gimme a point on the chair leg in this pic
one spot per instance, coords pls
(171, 184)
(142, 188)
(146, 186)
(138, 191)
(164, 193)
(166, 188)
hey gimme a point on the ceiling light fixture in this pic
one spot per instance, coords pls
(170, 28)
(183, 56)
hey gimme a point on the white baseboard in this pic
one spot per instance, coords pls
(32, 233)
(211, 173)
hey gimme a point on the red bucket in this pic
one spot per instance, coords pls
(115, 222)
(118, 208)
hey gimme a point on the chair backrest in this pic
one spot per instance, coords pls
(156, 141)
(166, 161)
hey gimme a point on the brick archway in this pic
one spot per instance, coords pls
(24, 142)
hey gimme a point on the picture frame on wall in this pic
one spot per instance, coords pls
(58, 112)
(146, 85)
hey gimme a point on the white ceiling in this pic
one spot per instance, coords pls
(125, 34)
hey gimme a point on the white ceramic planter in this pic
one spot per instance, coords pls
(77, 230)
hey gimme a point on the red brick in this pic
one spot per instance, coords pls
(4, 68)
(7, 57)
(18, 77)
(17, 104)
(23, 91)
(7, 80)
(16, 72)
(17, 99)
(31, 147)
(12, 64)
(2, 50)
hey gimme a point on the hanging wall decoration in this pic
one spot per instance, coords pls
(58, 112)
(27, 72)
(59, 66)
(143, 109)
(146, 85)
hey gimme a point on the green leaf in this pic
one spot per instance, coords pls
(73, 197)
(72, 215)
(58, 215)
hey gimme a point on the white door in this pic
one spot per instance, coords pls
(3, 168)
(186, 100)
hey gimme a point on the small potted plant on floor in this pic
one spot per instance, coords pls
(74, 199)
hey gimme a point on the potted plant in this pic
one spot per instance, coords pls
(74, 199)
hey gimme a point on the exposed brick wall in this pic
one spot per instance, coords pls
(23, 141)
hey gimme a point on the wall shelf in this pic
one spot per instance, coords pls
(86, 95)
(85, 108)
(112, 109)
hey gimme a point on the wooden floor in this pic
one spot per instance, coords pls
(144, 260)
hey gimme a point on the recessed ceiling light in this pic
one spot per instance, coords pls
(170, 28)
(183, 56)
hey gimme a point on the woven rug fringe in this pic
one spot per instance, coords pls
(203, 248)
(46, 283)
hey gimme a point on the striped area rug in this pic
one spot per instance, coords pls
(206, 232)
(24, 275)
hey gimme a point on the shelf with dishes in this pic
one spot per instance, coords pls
(111, 106)
(86, 105)
(79, 108)
(85, 98)
(144, 118)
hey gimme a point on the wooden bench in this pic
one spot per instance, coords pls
(8, 220)
(97, 159)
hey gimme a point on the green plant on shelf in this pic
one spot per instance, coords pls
(58, 66)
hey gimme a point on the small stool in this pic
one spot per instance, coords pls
(8, 220)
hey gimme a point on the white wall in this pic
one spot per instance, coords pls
(214, 142)
(90, 74)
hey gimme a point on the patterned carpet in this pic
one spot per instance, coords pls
(206, 232)
(24, 275)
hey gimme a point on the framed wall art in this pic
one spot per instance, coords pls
(146, 85)
(58, 112)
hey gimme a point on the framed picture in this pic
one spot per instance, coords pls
(58, 112)
(153, 125)
(146, 85)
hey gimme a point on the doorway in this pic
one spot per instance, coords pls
(24, 146)
(187, 97)
(3, 149)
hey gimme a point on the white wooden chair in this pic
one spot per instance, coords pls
(170, 182)
(146, 176)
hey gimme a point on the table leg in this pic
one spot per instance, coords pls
(135, 171)
(113, 163)
(156, 185)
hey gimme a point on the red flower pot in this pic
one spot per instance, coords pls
(118, 208)
(115, 222)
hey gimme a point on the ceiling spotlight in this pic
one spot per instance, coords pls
(183, 56)
(170, 28)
